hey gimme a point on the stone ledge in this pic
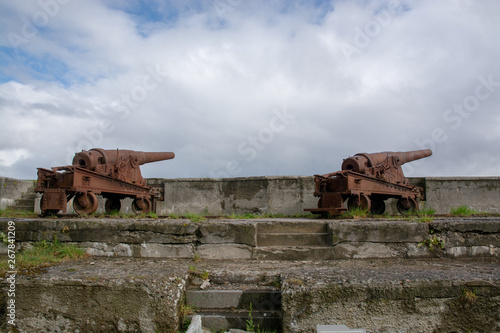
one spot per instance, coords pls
(262, 239)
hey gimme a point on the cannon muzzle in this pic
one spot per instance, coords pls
(92, 158)
(360, 162)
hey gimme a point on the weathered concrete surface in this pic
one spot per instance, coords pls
(145, 295)
(394, 296)
(281, 195)
(223, 309)
(100, 296)
(480, 193)
(383, 295)
(11, 190)
(270, 239)
(292, 194)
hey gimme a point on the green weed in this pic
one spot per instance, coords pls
(355, 213)
(195, 217)
(43, 254)
(463, 211)
(11, 212)
(250, 325)
(432, 242)
(469, 296)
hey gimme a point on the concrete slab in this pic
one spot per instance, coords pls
(224, 251)
(245, 239)
(305, 239)
(138, 294)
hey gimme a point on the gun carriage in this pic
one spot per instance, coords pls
(114, 174)
(366, 181)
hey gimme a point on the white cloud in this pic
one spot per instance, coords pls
(82, 81)
(9, 157)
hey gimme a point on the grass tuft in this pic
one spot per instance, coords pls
(355, 213)
(43, 254)
(463, 211)
(11, 212)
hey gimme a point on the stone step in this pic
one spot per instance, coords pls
(223, 321)
(24, 202)
(282, 227)
(261, 300)
(23, 208)
(222, 309)
(27, 200)
(297, 253)
(289, 239)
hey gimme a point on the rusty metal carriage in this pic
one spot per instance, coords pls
(113, 174)
(366, 181)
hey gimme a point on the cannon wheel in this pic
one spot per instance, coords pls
(362, 201)
(141, 205)
(405, 205)
(378, 206)
(112, 205)
(85, 203)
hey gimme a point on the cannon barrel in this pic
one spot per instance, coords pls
(360, 162)
(92, 158)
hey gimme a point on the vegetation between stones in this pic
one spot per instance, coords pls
(42, 254)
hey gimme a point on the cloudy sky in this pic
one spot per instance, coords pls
(250, 88)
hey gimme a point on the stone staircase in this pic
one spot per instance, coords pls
(27, 200)
(236, 306)
(293, 240)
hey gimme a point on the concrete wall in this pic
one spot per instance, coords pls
(480, 193)
(273, 195)
(291, 194)
(287, 195)
(12, 189)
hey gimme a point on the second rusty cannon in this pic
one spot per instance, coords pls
(366, 181)
(114, 174)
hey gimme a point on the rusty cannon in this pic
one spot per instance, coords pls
(366, 181)
(114, 174)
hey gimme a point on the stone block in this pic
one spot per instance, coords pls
(365, 251)
(299, 226)
(227, 232)
(195, 325)
(293, 239)
(378, 231)
(225, 251)
(102, 296)
(109, 230)
(483, 225)
(297, 253)
(482, 251)
(213, 299)
(416, 251)
(151, 250)
(99, 249)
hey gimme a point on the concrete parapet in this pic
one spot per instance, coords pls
(288, 195)
(274, 195)
(480, 193)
